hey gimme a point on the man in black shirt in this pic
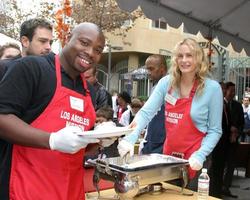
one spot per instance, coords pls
(44, 105)
(103, 98)
(236, 116)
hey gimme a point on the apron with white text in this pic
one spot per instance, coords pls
(42, 174)
(183, 138)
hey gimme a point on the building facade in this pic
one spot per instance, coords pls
(148, 37)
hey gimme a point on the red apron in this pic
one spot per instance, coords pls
(183, 138)
(120, 111)
(52, 175)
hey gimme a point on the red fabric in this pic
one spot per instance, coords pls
(45, 174)
(88, 180)
(120, 111)
(183, 138)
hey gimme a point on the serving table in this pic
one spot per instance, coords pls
(170, 192)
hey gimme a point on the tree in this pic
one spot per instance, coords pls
(106, 15)
(11, 17)
(62, 19)
(66, 14)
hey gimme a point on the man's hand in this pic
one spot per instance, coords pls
(233, 134)
(67, 140)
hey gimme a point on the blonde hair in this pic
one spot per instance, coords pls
(202, 68)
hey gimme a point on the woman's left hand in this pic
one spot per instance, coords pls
(194, 163)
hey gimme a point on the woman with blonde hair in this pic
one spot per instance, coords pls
(193, 108)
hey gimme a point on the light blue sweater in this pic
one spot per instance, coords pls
(206, 113)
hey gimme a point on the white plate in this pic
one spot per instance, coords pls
(111, 133)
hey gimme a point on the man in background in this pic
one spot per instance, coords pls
(103, 98)
(36, 36)
(235, 111)
(220, 152)
(157, 68)
(246, 130)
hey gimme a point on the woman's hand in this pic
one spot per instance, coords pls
(194, 163)
(125, 147)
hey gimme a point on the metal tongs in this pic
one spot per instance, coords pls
(126, 158)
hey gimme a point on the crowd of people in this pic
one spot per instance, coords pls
(48, 100)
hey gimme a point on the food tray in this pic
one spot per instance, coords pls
(142, 162)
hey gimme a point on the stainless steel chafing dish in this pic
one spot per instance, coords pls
(128, 176)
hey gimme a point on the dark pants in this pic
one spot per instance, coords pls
(230, 164)
(216, 171)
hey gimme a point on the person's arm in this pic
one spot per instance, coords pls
(17, 91)
(16, 131)
(214, 131)
(17, 88)
(149, 110)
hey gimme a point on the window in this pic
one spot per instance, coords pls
(160, 23)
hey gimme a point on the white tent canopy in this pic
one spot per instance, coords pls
(136, 74)
(227, 20)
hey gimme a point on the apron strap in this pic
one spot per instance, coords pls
(84, 83)
(193, 90)
(58, 75)
(58, 71)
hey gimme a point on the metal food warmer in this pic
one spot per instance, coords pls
(130, 175)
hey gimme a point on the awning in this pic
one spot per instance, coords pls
(227, 20)
(137, 74)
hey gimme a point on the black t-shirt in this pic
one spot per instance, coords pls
(3, 65)
(26, 89)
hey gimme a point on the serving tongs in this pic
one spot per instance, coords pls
(96, 177)
(126, 158)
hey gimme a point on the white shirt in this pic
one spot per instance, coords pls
(114, 106)
(125, 118)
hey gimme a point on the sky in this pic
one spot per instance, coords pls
(27, 5)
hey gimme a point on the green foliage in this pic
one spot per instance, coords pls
(143, 98)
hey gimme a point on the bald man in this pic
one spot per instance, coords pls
(155, 134)
(43, 114)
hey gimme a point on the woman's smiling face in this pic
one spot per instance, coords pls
(186, 60)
